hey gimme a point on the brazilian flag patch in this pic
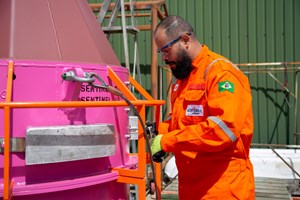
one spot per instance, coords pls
(226, 85)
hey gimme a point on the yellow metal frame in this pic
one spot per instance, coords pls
(129, 176)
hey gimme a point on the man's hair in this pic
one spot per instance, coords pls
(174, 26)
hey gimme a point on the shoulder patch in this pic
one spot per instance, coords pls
(226, 85)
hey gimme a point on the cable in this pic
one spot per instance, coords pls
(120, 94)
(146, 138)
(89, 78)
(92, 74)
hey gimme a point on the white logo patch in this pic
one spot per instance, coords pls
(194, 110)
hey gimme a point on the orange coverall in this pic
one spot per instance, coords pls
(210, 131)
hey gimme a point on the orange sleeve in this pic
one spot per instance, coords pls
(164, 126)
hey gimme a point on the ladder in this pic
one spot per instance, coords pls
(110, 28)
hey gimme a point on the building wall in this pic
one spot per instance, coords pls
(245, 31)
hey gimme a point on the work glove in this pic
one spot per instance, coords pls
(156, 149)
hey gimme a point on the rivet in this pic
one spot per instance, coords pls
(3, 94)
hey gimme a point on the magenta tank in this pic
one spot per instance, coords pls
(91, 177)
(69, 152)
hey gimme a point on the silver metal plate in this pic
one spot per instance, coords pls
(54, 144)
(133, 127)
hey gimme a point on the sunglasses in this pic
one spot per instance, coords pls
(161, 50)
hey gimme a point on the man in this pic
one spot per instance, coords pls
(211, 125)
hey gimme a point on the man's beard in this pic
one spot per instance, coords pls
(183, 65)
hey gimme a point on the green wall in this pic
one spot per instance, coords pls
(245, 31)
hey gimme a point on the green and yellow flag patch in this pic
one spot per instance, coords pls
(226, 85)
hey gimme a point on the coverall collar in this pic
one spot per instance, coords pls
(200, 56)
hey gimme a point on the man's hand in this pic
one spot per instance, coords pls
(156, 149)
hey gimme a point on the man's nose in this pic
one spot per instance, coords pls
(164, 57)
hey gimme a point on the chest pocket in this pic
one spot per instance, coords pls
(194, 107)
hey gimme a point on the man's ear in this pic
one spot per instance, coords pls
(185, 39)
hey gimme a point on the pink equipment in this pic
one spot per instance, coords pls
(59, 152)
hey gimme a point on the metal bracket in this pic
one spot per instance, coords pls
(133, 127)
(17, 145)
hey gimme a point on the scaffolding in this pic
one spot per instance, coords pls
(110, 28)
(155, 9)
(282, 67)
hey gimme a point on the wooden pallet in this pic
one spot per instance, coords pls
(271, 188)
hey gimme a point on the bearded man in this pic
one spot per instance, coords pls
(210, 128)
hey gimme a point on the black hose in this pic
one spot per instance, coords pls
(120, 94)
